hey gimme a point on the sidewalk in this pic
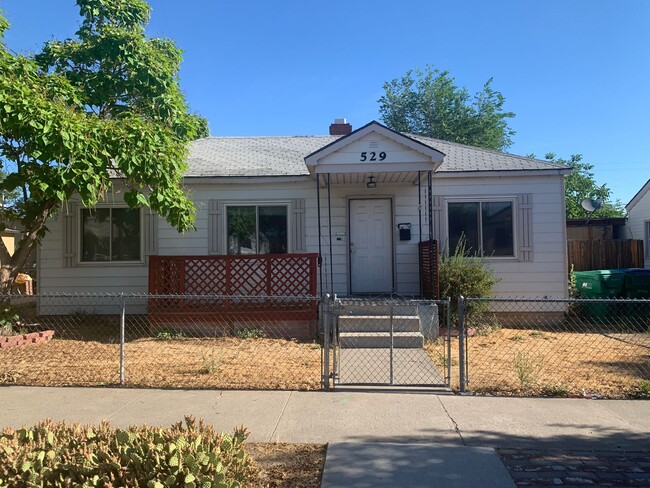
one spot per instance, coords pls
(423, 432)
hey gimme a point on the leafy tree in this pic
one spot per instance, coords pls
(102, 109)
(581, 184)
(429, 103)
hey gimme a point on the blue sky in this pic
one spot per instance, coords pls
(576, 72)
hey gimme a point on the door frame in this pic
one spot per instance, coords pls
(348, 254)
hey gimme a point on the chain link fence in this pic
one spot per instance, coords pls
(497, 346)
(555, 347)
(198, 341)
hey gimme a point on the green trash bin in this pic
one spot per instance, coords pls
(637, 286)
(600, 284)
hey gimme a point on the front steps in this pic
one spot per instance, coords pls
(373, 331)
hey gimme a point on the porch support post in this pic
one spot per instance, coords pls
(320, 245)
(431, 264)
(329, 230)
(420, 231)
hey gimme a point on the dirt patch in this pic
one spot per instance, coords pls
(228, 363)
(535, 362)
(287, 465)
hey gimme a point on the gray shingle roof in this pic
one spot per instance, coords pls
(253, 156)
(459, 157)
(284, 156)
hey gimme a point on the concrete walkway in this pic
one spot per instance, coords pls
(405, 433)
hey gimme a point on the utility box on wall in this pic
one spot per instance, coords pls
(404, 232)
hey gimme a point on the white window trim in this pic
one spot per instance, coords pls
(247, 203)
(480, 199)
(81, 262)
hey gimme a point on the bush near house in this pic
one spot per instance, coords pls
(461, 274)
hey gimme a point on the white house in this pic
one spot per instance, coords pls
(638, 219)
(342, 196)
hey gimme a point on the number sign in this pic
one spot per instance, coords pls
(372, 156)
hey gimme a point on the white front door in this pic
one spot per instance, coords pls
(371, 246)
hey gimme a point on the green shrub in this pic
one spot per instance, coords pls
(169, 335)
(254, 333)
(9, 320)
(61, 455)
(469, 276)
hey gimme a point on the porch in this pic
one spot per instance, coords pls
(230, 293)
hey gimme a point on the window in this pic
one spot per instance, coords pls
(110, 234)
(257, 229)
(487, 227)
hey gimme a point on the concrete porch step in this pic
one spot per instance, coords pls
(365, 340)
(378, 323)
(378, 308)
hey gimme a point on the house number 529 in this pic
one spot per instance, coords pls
(372, 156)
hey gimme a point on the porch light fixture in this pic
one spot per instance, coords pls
(371, 182)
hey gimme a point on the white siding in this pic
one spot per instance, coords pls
(637, 218)
(544, 276)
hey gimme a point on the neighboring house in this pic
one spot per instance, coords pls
(10, 237)
(257, 195)
(638, 218)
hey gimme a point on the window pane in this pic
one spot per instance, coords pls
(126, 234)
(242, 238)
(273, 229)
(95, 234)
(497, 229)
(463, 222)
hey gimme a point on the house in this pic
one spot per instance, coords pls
(638, 219)
(361, 200)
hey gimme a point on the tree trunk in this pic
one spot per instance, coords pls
(12, 264)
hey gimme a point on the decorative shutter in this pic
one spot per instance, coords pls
(525, 226)
(70, 225)
(150, 234)
(215, 227)
(298, 225)
(437, 214)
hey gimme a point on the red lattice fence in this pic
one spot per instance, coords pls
(275, 287)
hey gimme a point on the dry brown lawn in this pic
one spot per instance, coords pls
(228, 363)
(534, 362)
(287, 465)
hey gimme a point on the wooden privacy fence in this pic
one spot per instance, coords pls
(429, 286)
(266, 288)
(605, 254)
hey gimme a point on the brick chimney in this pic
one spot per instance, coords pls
(340, 127)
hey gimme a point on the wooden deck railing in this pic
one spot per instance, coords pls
(278, 275)
(277, 292)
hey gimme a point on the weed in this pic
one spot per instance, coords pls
(211, 364)
(644, 386)
(527, 369)
(517, 337)
(253, 333)
(536, 334)
(168, 335)
(557, 390)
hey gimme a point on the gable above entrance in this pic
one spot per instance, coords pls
(374, 148)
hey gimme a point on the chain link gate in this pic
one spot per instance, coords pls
(386, 341)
